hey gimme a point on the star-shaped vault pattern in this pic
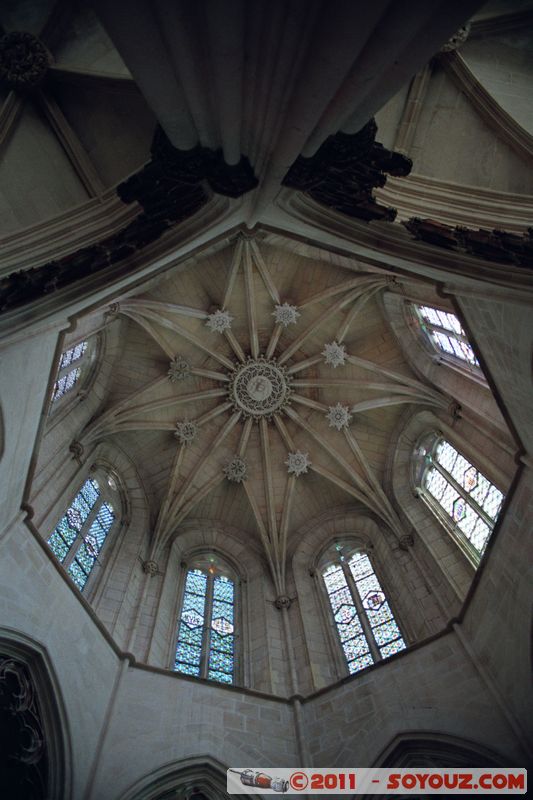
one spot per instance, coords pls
(237, 403)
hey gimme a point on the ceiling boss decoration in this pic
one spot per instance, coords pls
(265, 386)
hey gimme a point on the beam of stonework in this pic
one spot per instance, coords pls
(180, 497)
(186, 334)
(76, 153)
(290, 490)
(9, 115)
(263, 534)
(159, 307)
(502, 123)
(406, 130)
(151, 331)
(91, 79)
(297, 343)
(233, 272)
(250, 301)
(269, 487)
(355, 311)
(234, 344)
(265, 273)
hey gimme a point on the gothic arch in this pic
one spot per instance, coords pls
(19, 653)
(454, 379)
(196, 538)
(432, 749)
(198, 778)
(394, 567)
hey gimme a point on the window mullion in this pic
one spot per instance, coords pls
(365, 624)
(69, 558)
(468, 498)
(206, 635)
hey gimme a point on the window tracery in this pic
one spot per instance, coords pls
(458, 492)
(445, 333)
(81, 532)
(364, 621)
(205, 646)
(69, 369)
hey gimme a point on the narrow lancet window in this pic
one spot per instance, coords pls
(69, 370)
(364, 620)
(446, 333)
(81, 532)
(206, 631)
(470, 502)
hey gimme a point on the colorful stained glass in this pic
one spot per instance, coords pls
(71, 524)
(446, 333)
(67, 378)
(352, 637)
(378, 612)
(214, 637)
(191, 626)
(466, 495)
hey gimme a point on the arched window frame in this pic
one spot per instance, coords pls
(424, 329)
(109, 493)
(84, 368)
(423, 461)
(347, 548)
(213, 564)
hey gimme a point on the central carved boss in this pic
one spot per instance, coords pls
(259, 388)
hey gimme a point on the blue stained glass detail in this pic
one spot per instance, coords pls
(77, 574)
(360, 663)
(71, 524)
(73, 354)
(191, 626)
(194, 630)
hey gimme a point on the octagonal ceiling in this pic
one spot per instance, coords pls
(259, 387)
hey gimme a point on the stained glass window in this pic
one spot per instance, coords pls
(446, 333)
(69, 370)
(81, 532)
(206, 630)
(470, 501)
(363, 618)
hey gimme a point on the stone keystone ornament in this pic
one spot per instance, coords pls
(335, 354)
(186, 431)
(179, 369)
(297, 463)
(236, 470)
(285, 314)
(219, 321)
(338, 416)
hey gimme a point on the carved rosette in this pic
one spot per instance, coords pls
(179, 369)
(283, 602)
(259, 388)
(297, 463)
(458, 39)
(24, 60)
(236, 470)
(151, 568)
(338, 416)
(334, 354)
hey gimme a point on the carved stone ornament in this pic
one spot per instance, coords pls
(24, 60)
(458, 39)
(236, 470)
(338, 416)
(285, 314)
(77, 450)
(23, 761)
(186, 431)
(283, 601)
(345, 170)
(219, 321)
(297, 463)
(151, 567)
(259, 388)
(406, 541)
(335, 354)
(179, 369)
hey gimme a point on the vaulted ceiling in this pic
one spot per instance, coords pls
(258, 387)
